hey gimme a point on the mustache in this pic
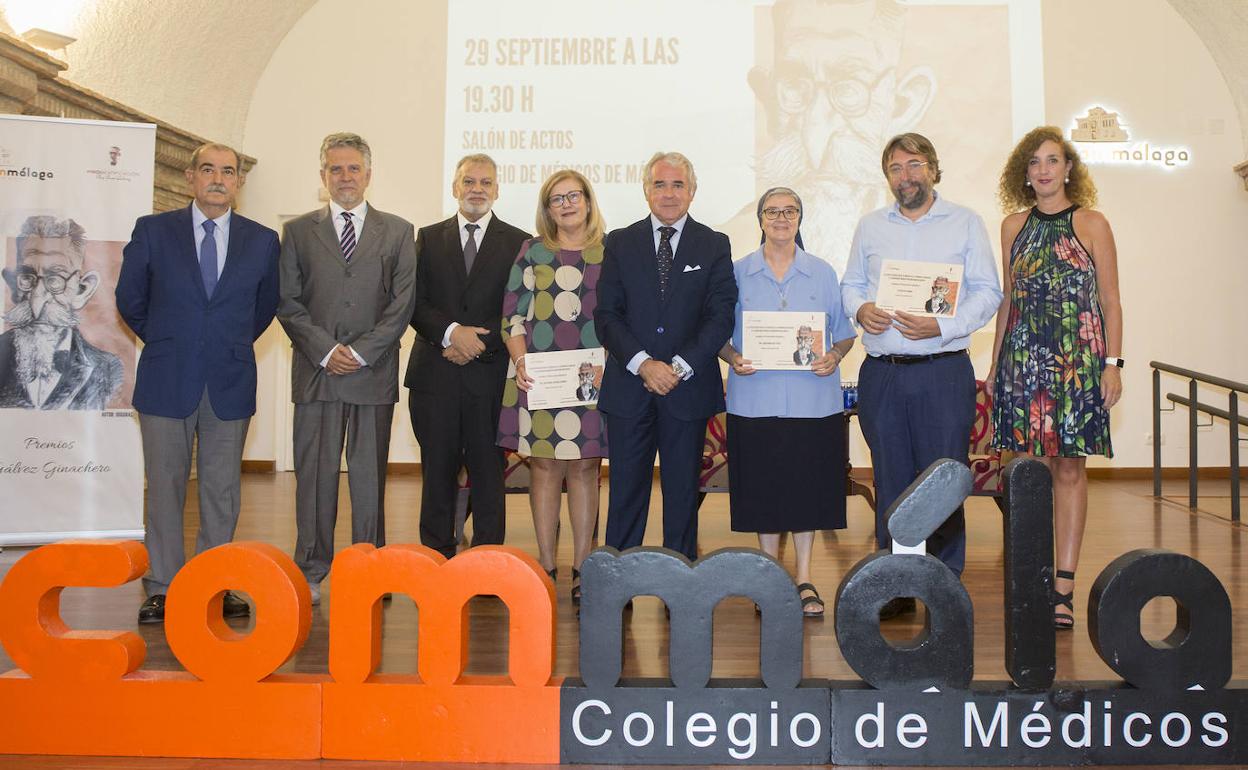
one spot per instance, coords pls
(216, 187)
(52, 314)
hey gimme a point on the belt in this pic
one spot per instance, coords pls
(918, 359)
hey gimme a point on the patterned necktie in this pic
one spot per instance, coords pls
(348, 236)
(470, 247)
(665, 258)
(208, 257)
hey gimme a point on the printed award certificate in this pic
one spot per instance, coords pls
(782, 340)
(565, 377)
(919, 288)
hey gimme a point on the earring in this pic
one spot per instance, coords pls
(1067, 180)
(1027, 183)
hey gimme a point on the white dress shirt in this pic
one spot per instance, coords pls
(464, 234)
(357, 221)
(634, 365)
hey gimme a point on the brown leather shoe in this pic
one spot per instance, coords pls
(152, 610)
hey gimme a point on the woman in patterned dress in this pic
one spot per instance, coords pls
(549, 305)
(1057, 366)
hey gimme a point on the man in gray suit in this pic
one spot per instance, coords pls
(347, 278)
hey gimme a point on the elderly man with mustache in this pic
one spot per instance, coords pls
(45, 363)
(198, 285)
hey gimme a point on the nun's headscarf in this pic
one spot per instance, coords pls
(801, 211)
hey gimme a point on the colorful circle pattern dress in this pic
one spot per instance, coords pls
(550, 298)
(1047, 396)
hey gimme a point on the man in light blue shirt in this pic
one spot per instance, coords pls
(916, 389)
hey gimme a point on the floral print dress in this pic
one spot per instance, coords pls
(1047, 395)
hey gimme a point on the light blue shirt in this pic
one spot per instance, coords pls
(809, 285)
(947, 233)
(221, 235)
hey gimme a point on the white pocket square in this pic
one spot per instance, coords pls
(691, 268)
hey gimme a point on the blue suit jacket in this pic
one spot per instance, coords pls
(192, 342)
(693, 321)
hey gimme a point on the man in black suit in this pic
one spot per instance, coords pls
(458, 366)
(665, 307)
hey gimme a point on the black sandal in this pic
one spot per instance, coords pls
(553, 572)
(1064, 621)
(810, 603)
(576, 586)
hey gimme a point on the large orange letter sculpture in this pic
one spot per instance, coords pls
(80, 692)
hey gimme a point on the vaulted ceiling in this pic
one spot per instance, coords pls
(196, 64)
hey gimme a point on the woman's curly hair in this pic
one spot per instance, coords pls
(1013, 191)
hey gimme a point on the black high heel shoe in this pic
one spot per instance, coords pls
(1064, 621)
(576, 586)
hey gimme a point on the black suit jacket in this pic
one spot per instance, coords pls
(446, 293)
(693, 321)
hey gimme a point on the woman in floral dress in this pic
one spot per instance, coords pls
(1057, 366)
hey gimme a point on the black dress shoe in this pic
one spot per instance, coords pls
(902, 605)
(234, 607)
(152, 610)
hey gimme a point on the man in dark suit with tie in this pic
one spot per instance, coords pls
(198, 285)
(347, 278)
(665, 307)
(459, 365)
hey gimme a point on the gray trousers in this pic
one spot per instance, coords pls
(167, 444)
(319, 430)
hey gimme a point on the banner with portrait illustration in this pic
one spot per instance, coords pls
(71, 461)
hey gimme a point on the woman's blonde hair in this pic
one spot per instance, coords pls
(546, 227)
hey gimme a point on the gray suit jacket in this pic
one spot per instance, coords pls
(365, 304)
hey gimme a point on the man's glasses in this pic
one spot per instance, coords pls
(789, 213)
(573, 197)
(912, 168)
(55, 283)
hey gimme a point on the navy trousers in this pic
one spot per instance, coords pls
(633, 442)
(911, 415)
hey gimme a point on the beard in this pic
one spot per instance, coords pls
(35, 340)
(835, 195)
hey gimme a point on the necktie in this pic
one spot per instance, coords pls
(470, 247)
(348, 236)
(665, 258)
(208, 257)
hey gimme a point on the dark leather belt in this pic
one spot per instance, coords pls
(918, 359)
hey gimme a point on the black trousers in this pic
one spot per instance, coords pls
(457, 429)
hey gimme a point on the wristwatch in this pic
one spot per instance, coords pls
(679, 369)
(1118, 362)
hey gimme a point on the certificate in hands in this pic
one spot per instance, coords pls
(919, 288)
(563, 378)
(782, 340)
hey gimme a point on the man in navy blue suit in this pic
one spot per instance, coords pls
(198, 285)
(665, 308)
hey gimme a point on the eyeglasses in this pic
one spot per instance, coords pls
(573, 197)
(913, 167)
(54, 282)
(789, 213)
(850, 96)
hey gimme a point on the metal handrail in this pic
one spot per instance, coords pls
(1195, 407)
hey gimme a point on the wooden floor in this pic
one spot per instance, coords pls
(1122, 516)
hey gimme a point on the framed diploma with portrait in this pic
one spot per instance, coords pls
(782, 340)
(919, 288)
(563, 378)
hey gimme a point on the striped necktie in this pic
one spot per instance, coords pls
(348, 236)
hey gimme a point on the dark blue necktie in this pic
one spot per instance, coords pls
(208, 257)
